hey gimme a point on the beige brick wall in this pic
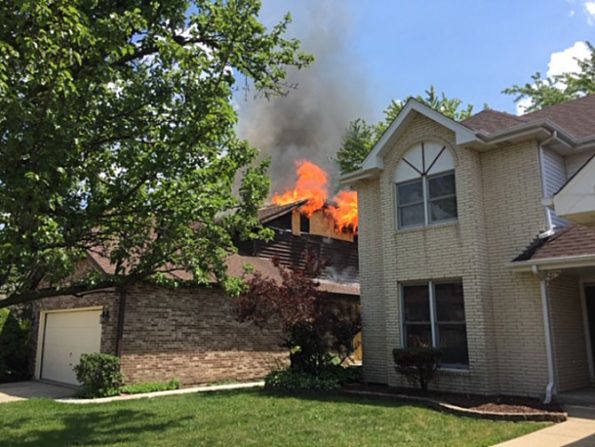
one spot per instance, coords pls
(568, 331)
(500, 212)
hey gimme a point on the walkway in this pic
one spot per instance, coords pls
(11, 392)
(575, 432)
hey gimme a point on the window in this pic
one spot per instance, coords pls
(434, 315)
(425, 186)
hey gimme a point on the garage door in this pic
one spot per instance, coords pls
(67, 335)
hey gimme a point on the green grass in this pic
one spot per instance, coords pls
(244, 418)
(150, 387)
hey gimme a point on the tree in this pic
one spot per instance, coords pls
(313, 330)
(360, 136)
(544, 92)
(117, 136)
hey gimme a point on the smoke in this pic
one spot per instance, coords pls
(309, 122)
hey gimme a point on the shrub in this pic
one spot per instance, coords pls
(139, 388)
(418, 365)
(296, 380)
(328, 378)
(99, 375)
(14, 346)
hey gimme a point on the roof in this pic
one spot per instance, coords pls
(235, 267)
(574, 240)
(576, 117)
(272, 211)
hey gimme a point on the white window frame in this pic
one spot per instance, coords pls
(426, 201)
(433, 317)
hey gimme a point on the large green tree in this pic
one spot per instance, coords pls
(117, 136)
(360, 136)
(543, 92)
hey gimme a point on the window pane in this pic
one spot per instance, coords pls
(411, 215)
(452, 340)
(410, 193)
(443, 209)
(442, 185)
(418, 335)
(449, 302)
(416, 303)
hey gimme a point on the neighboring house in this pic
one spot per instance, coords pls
(188, 333)
(467, 243)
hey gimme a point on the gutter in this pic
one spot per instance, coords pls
(545, 308)
(557, 263)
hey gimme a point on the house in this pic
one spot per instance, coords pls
(190, 333)
(478, 238)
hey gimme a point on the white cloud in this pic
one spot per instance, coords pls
(561, 62)
(590, 10)
(565, 61)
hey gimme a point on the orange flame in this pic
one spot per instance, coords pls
(311, 185)
(344, 212)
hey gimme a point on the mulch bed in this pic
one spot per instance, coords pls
(484, 406)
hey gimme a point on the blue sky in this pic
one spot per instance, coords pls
(468, 49)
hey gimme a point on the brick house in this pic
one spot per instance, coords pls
(478, 238)
(189, 333)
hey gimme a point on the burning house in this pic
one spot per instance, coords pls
(192, 333)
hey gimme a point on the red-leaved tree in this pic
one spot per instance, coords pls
(314, 330)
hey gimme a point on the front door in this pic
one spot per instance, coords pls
(590, 301)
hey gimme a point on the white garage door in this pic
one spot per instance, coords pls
(67, 335)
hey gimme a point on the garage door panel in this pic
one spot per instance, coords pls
(68, 335)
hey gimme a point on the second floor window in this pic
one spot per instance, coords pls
(425, 186)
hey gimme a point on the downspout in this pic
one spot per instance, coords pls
(120, 326)
(545, 308)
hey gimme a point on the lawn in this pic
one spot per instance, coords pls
(243, 418)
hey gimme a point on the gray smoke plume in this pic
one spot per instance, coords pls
(309, 122)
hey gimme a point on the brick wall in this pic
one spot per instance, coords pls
(500, 211)
(192, 335)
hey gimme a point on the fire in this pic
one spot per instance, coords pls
(311, 185)
(344, 212)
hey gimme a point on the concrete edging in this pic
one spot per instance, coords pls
(197, 389)
(543, 416)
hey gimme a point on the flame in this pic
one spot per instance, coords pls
(344, 212)
(311, 185)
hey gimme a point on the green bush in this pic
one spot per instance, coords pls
(14, 346)
(138, 388)
(418, 365)
(99, 375)
(329, 378)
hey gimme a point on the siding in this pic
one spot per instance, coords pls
(554, 177)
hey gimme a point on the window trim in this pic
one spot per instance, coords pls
(427, 221)
(434, 323)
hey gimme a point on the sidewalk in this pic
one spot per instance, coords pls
(197, 389)
(575, 432)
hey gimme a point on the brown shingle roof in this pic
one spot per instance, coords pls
(576, 117)
(574, 240)
(492, 121)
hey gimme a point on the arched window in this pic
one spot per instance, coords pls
(425, 186)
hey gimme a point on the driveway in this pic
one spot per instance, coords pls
(10, 392)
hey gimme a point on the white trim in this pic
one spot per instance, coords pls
(463, 134)
(433, 315)
(41, 332)
(557, 263)
(583, 284)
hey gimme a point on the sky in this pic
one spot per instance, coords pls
(469, 49)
